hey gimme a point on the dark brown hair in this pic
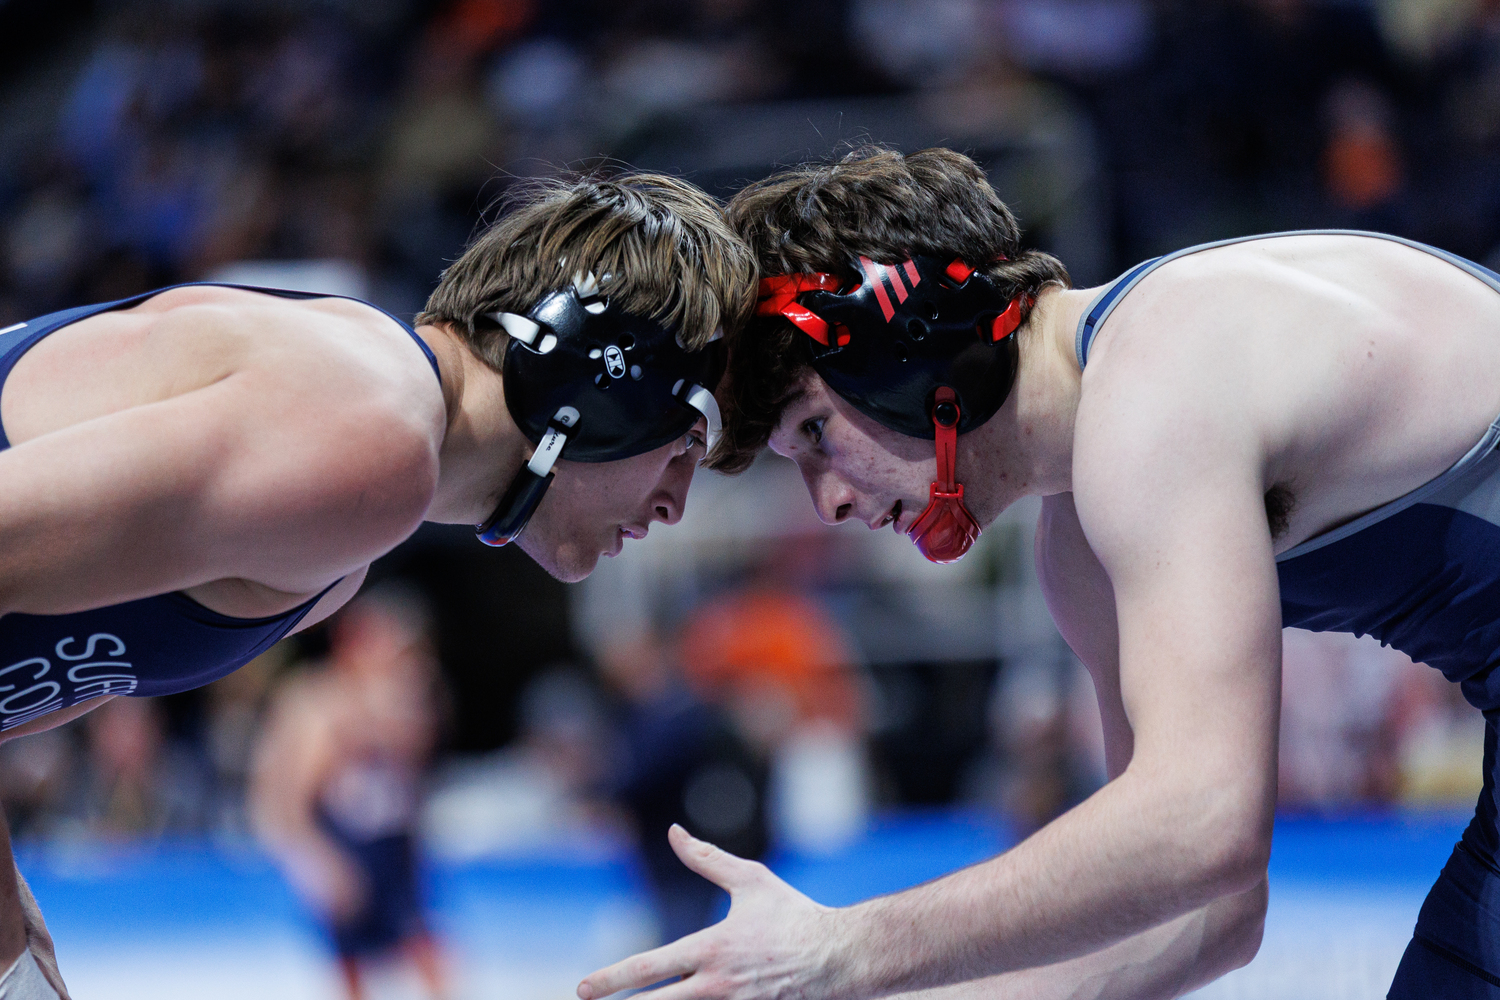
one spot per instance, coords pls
(873, 202)
(658, 245)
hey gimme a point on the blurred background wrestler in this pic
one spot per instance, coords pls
(337, 778)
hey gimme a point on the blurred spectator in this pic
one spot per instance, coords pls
(1363, 168)
(770, 654)
(138, 782)
(35, 775)
(336, 782)
(1046, 751)
(1362, 724)
(680, 761)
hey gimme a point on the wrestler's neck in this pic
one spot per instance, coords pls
(1027, 448)
(482, 447)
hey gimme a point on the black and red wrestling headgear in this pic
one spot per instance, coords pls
(924, 347)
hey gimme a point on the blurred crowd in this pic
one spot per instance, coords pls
(159, 142)
(357, 143)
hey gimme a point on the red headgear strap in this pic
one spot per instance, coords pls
(778, 297)
(945, 529)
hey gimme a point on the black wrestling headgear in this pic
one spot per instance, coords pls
(925, 348)
(581, 374)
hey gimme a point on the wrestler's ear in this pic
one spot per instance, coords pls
(723, 869)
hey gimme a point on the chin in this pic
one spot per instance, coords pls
(568, 563)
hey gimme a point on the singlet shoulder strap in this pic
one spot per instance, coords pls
(1099, 310)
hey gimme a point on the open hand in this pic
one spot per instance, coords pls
(775, 944)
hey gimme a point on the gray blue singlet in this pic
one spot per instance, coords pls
(153, 646)
(1420, 573)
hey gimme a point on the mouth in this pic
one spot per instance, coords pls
(892, 517)
(616, 545)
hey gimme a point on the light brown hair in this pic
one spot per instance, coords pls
(873, 202)
(662, 243)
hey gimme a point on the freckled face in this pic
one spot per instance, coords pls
(592, 507)
(855, 469)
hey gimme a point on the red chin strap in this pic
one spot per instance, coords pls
(945, 529)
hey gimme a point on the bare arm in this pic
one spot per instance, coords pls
(1167, 961)
(1178, 523)
(1182, 954)
(238, 480)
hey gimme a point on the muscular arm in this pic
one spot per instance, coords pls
(231, 481)
(1178, 524)
(1176, 517)
(1181, 954)
(1169, 960)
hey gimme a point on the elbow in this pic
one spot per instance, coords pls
(1240, 940)
(1229, 843)
(1236, 859)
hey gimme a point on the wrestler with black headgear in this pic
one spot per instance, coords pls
(189, 475)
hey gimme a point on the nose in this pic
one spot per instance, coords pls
(832, 497)
(671, 497)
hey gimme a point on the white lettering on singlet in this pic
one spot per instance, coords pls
(28, 691)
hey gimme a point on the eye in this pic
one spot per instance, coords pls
(694, 440)
(813, 429)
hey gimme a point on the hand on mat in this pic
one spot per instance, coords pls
(38, 940)
(775, 942)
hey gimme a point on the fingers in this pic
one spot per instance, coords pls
(723, 869)
(640, 971)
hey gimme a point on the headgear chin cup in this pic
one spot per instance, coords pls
(945, 529)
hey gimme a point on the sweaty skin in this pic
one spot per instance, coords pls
(1344, 370)
(249, 451)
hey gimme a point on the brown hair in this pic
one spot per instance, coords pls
(873, 202)
(659, 246)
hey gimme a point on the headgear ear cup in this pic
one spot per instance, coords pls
(582, 374)
(911, 345)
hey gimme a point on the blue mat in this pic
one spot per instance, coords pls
(198, 888)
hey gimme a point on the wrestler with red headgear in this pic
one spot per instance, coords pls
(1294, 429)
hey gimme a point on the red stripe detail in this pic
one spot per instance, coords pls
(896, 284)
(872, 275)
(912, 273)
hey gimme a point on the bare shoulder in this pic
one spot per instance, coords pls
(1171, 431)
(299, 439)
(1349, 369)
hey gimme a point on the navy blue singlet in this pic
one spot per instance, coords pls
(1420, 573)
(154, 646)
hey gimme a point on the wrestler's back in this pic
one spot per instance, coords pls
(1362, 367)
(331, 384)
